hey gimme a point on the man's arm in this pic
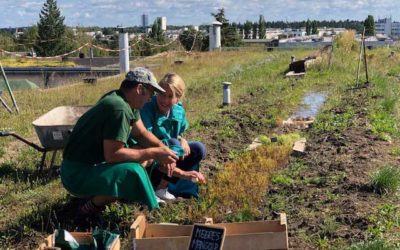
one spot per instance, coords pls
(144, 137)
(114, 151)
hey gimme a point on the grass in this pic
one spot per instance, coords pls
(386, 180)
(261, 97)
(32, 62)
(204, 74)
(371, 245)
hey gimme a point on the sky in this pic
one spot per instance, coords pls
(110, 13)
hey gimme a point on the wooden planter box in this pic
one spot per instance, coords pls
(244, 235)
(80, 237)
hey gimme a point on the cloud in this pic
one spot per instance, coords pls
(181, 12)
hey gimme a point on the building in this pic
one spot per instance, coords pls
(18, 33)
(163, 23)
(330, 31)
(387, 27)
(145, 20)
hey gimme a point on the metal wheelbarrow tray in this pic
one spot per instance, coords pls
(53, 129)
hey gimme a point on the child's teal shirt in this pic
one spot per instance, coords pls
(164, 127)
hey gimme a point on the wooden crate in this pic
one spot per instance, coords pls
(244, 235)
(80, 237)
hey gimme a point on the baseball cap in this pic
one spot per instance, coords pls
(144, 76)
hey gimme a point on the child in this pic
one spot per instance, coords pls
(165, 117)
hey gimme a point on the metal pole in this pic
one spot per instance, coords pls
(331, 52)
(5, 104)
(8, 87)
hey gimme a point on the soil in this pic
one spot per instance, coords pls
(342, 161)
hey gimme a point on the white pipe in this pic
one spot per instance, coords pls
(227, 93)
(124, 52)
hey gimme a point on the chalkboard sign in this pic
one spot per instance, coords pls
(206, 237)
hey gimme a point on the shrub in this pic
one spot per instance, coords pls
(346, 41)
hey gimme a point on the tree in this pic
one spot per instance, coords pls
(229, 34)
(247, 29)
(7, 42)
(27, 40)
(369, 25)
(220, 16)
(262, 27)
(51, 30)
(308, 27)
(314, 29)
(255, 28)
(188, 37)
(157, 33)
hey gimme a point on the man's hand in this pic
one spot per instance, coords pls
(165, 155)
(168, 168)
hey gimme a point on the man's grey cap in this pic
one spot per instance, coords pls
(145, 76)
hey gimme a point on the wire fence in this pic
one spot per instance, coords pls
(135, 46)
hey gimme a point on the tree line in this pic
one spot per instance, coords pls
(52, 37)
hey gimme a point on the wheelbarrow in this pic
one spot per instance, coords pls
(53, 130)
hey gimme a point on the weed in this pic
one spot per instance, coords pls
(386, 180)
(323, 243)
(317, 180)
(2, 152)
(282, 180)
(395, 151)
(235, 154)
(331, 197)
(384, 125)
(117, 212)
(385, 224)
(296, 167)
(328, 227)
(377, 244)
(331, 122)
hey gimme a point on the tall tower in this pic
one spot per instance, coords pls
(163, 23)
(145, 20)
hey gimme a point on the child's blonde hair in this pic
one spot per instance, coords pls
(175, 82)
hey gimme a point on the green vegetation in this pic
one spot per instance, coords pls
(32, 62)
(369, 25)
(386, 180)
(50, 31)
(242, 185)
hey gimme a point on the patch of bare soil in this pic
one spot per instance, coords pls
(339, 166)
(246, 122)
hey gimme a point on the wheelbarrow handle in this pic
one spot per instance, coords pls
(4, 133)
(8, 133)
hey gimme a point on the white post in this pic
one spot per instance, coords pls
(211, 38)
(124, 51)
(227, 94)
(215, 36)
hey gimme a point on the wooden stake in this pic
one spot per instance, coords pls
(359, 58)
